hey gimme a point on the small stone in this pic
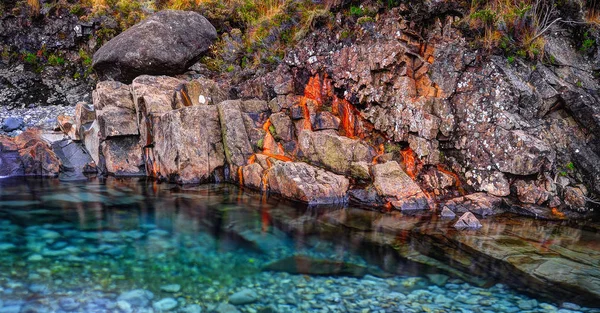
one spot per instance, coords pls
(171, 288)
(447, 213)
(193, 308)
(527, 304)
(124, 306)
(138, 297)
(68, 304)
(35, 258)
(571, 306)
(468, 220)
(12, 123)
(166, 304)
(226, 308)
(245, 296)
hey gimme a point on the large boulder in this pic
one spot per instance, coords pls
(36, 156)
(115, 110)
(122, 156)
(397, 187)
(188, 144)
(235, 138)
(302, 182)
(166, 43)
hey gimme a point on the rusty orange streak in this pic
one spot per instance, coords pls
(558, 213)
(306, 113)
(409, 162)
(380, 151)
(241, 175)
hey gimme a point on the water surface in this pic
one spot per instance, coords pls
(137, 246)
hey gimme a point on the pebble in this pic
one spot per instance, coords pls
(192, 308)
(166, 304)
(68, 304)
(35, 258)
(138, 297)
(571, 306)
(171, 288)
(246, 296)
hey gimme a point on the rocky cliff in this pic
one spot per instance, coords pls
(397, 111)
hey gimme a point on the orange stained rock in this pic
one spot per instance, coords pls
(409, 162)
(240, 172)
(345, 111)
(380, 151)
(558, 213)
(306, 125)
(313, 89)
(265, 219)
(387, 206)
(252, 159)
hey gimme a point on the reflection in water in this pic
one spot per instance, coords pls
(137, 246)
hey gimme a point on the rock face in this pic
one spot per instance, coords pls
(167, 43)
(115, 110)
(306, 183)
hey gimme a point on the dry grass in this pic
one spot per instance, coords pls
(34, 6)
(592, 12)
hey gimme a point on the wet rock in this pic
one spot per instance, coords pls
(84, 115)
(171, 288)
(235, 138)
(137, 297)
(306, 183)
(115, 110)
(467, 221)
(188, 145)
(12, 123)
(283, 126)
(447, 213)
(226, 308)
(164, 305)
(302, 264)
(167, 42)
(192, 308)
(332, 151)
(68, 304)
(122, 156)
(90, 134)
(75, 161)
(479, 203)
(367, 196)
(252, 175)
(10, 160)
(360, 170)
(245, 296)
(393, 184)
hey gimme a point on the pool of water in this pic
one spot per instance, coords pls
(137, 246)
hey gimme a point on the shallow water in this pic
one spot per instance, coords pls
(136, 246)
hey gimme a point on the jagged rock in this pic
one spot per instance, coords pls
(467, 221)
(154, 96)
(479, 203)
(203, 91)
(447, 213)
(235, 138)
(575, 197)
(254, 106)
(496, 184)
(115, 110)
(122, 156)
(167, 42)
(90, 134)
(392, 183)
(302, 264)
(306, 183)
(530, 192)
(283, 126)
(67, 125)
(10, 160)
(84, 114)
(252, 175)
(325, 120)
(36, 155)
(188, 145)
(360, 170)
(332, 151)
(75, 161)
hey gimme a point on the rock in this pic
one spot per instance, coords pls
(137, 297)
(12, 123)
(166, 304)
(245, 296)
(302, 264)
(10, 159)
(75, 161)
(392, 183)
(306, 183)
(90, 134)
(447, 213)
(332, 151)
(171, 288)
(530, 192)
(438, 279)
(68, 304)
(192, 308)
(124, 306)
(252, 175)
(496, 184)
(467, 221)
(166, 43)
(283, 126)
(123, 156)
(226, 308)
(188, 145)
(84, 115)
(325, 120)
(36, 156)
(479, 203)
(235, 138)
(202, 91)
(574, 197)
(67, 125)
(571, 306)
(254, 106)
(115, 110)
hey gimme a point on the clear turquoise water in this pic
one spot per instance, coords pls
(135, 246)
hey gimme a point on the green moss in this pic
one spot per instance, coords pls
(570, 166)
(364, 20)
(260, 144)
(357, 11)
(55, 60)
(29, 58)
(272, 130)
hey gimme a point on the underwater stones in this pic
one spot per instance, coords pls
(479, 203)
(226, 308)
(137, 297)
(303, 264)
(467, 221)
(245, 296)
(115, 110)
(235, 138)
(306, 183)
(188, 145)
(164, 305)
(123, 156)
(332, 151)
(392, 183)
(168, 43)
(171, 288)
(68, 304)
